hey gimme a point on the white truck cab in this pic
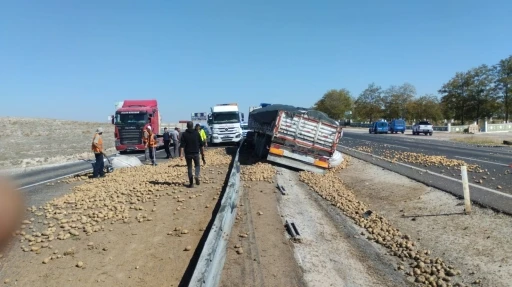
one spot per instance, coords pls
(224, 121)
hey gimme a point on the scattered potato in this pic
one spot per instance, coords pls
(423, 267)
(258, 172)
(188, 248)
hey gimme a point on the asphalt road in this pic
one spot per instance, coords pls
(494, 164)
(37, 177)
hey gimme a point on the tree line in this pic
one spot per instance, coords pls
(481, 92)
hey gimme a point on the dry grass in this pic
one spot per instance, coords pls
(479, 140)
(27, 142)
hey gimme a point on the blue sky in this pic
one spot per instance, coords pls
(75, 59)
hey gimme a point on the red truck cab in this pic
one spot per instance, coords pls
(130, 121)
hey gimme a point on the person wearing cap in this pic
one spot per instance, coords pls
(191, 146)
(167, 142)
(200, 129)
(151, 145)
(97, 148)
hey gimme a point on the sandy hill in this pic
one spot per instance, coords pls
(29, 142)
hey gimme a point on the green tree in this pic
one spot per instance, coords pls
(455, 97)
(471, 95)
(503, 71)
(369, 104)
(335, 103)
(483, 97)
(396, 100)
(425, 107)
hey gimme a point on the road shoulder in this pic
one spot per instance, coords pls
(478, 243)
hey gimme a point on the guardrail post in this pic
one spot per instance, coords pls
(465, 188)
(449, 127)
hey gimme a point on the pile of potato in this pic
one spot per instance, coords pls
(428, 160)
(120, 197)
(258, 172)
(416, 263)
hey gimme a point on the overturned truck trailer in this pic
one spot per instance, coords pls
(296, 137)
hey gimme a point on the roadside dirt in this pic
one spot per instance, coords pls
(136, 227)
(27, 142)
(478, 244)
(259, 252)
(332, 251)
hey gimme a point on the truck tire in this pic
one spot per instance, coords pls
(426, 133)
(403, 132)
(430, 134)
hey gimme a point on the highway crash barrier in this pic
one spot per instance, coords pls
(211, 261)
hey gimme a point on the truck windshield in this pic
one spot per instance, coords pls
(226, 118)
(127, 119)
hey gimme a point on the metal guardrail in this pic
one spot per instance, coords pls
(211, 261)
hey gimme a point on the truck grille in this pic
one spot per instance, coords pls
(130, 137)
(227, 131)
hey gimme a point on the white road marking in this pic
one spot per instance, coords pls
(496, 163)
(49, 180)
(396, 146)
(433, 173)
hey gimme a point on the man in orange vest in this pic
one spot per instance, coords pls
(151, 145)
(97, 148)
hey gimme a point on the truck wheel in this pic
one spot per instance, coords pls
(430, 134)
(402, 132)
(426, 133)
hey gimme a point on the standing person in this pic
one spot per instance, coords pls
(167, 142)
(200, 129)
(145, 138)
(97, 148)
(151, 145)
(175, 143)
(178, 135)
(191, 146)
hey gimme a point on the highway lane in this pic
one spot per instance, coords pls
(494, 164)
(41, 176)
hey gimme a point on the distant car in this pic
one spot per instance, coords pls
(423, 127)
(397, 126)
(380, 127)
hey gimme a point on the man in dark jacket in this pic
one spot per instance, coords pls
(167, 142)
(191, 145)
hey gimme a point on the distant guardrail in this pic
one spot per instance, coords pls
(211, 261)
